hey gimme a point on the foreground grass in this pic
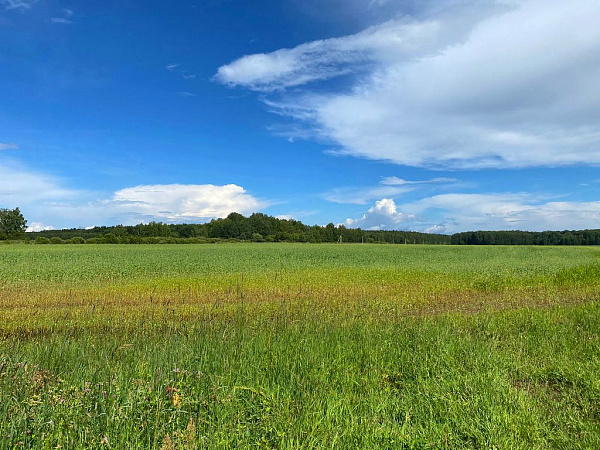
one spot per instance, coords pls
(428, 349)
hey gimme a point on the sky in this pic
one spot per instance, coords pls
(427, 115)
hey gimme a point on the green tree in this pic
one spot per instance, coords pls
(12, 224)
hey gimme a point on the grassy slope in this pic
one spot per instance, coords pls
(313, 346)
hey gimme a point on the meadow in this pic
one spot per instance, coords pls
(299, 346)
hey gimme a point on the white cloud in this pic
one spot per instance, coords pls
(186, 94)
(20, 185)
(383, 215)
(8, 146)
(38, 226)
(517, 88)
(320, 60)
(17, 4)
(172, 67)
(179, 202)
(45, 199)
(362, 196)
(395, 181)
(435, 229)
(61, 20)
(451, 213)
(388, 187)
(66, 19)
(507, 211)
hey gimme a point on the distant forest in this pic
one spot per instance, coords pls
(584, 237)
(263, 228)
(235, 227)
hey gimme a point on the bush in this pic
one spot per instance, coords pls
(76, 240)
(56, 240)
(42, 240)
(110, 238)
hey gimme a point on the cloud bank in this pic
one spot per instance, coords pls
(518, 86)
(46, 202)
(180, 202)
(451, 213)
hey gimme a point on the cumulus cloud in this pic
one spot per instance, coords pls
(38, 226)
(180, 202)
(45, 199)
(451, 213)
(383, 215)
(517, 87)
(8, 146)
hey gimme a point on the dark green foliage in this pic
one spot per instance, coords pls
(12, 224)
(257, 227)
(584, 237)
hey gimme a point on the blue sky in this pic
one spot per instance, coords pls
(438, 115)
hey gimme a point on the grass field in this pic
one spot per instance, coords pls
(299, 346)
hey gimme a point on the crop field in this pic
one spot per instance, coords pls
(299, 346)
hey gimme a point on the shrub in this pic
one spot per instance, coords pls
(42, 240)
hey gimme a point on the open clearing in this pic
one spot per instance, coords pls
(299, 346)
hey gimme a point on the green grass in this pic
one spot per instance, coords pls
(299, 346)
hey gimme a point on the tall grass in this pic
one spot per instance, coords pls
(291, 346)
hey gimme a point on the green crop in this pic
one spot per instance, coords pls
(299, 346)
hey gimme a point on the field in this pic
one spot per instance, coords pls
(299, 346)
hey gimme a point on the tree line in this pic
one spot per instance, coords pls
(263, 228)
(583, 237)
(256, 228)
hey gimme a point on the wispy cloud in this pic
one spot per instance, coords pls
(388, 187)
(321, 60)
(8, 146)
(186, 94)
(176, 69)
(66, 19)
(363, 195)
(17, 4)
(463, 90)
(61, 20)
(395, 181)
